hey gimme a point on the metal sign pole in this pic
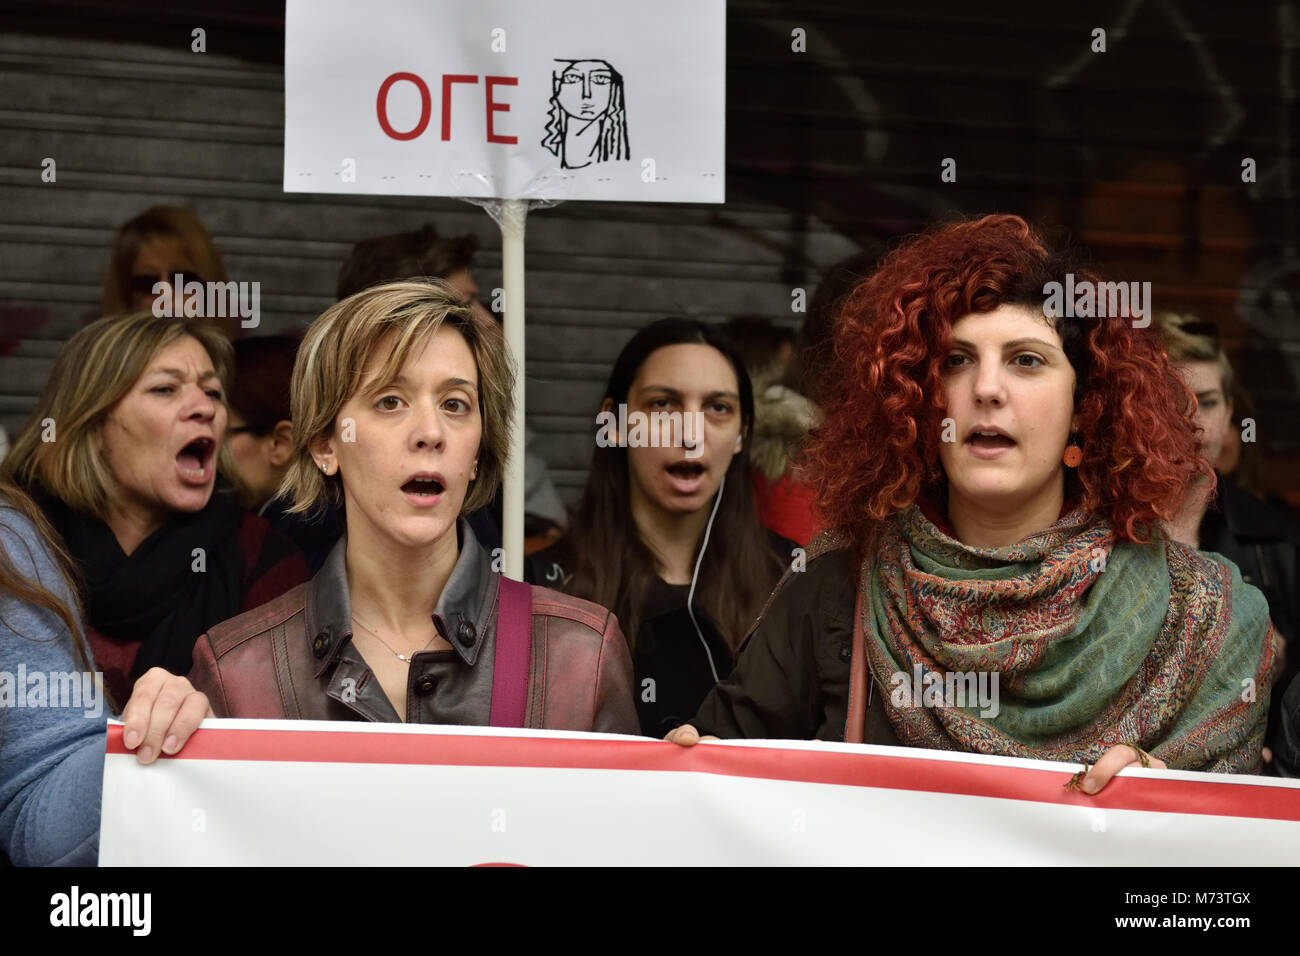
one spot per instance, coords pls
(513, 213)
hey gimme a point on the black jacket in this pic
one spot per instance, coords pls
(1286, 741)
(1262, 540)
(674, 665)
(791, 680)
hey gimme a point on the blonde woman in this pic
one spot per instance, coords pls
(121, 454)
(401, 410)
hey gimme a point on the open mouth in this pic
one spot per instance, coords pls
(194, 459)
(686, 477)
(987, 442)
(686, 470)
(990, 440)
(424, 487)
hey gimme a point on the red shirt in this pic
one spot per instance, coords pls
(788, 507)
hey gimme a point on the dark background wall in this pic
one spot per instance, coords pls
(1135, 153)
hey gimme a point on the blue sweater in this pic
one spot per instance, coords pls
(52, 721)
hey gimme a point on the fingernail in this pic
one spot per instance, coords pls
(145, 754)
(132, 738)
(171, 745)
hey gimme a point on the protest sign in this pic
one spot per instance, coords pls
(566, 99)
(330, 793)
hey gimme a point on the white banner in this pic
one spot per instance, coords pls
(516, 99)
(248, 792)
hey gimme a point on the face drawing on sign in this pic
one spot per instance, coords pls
(587, 121)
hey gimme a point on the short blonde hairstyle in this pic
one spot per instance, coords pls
(94, 371)
(1184, 344)
(341, 343)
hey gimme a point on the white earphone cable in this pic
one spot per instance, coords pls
(717, 500)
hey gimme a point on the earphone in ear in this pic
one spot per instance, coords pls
(739, 441)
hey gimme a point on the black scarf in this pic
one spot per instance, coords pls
(156, 594)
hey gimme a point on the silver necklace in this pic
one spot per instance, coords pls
(405, 658)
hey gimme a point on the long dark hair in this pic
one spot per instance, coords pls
(612, 566)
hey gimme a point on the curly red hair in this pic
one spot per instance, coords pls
(878, 448)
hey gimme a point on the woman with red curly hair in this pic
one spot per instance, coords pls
(997, 478)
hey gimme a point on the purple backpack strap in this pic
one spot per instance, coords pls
(514, 645)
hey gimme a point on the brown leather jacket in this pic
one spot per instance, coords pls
(293, 657)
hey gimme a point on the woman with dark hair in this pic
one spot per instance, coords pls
(53, 718)
(667, 534)
(998, 475)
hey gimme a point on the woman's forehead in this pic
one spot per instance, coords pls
(184, 351)
(1200, 376)
(441, 356)
(1007, 322)
(162, 249)
(687, 367)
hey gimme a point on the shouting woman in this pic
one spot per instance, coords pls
(667, 533)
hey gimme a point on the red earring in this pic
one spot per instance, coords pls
(1073, 456)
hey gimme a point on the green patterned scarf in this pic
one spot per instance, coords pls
(1092, 643)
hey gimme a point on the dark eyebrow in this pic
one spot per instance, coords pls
(668, 390)
(1208, 393)
(1014, 344)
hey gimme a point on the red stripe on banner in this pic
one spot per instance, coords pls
(917, 773)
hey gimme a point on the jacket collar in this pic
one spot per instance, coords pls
(461, 615)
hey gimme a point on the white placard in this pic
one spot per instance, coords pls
(516, 99)
(319, 793)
